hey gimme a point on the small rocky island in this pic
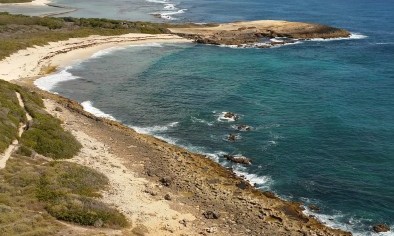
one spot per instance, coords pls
(251, 32)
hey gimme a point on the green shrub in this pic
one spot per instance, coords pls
(20, 211)
(67, 190)
(42, 30)
(86, 211)
(45, 135)
(33, 192)
(24, 151)
(11, 115)
(75, 178)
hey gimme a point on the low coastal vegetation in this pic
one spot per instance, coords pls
(35, 191)
(44, 134)
(11, 115)
(19, 32)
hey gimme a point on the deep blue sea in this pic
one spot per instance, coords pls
(322, 112)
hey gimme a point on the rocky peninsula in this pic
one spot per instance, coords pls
(249, 32)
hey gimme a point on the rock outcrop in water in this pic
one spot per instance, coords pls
(240, 33)
(381, 228)
(238, 159)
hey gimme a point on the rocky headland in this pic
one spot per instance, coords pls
(249, 32)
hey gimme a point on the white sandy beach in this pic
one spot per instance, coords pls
(40, 2)
(33, 3)
(31, 61)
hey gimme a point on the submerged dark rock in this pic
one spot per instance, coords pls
(379, 228)
(243, 127)
(232, 137)
(314, 208)
(238, 159)
(230, 115)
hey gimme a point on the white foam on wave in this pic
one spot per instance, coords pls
(262, 182)
(262, 45)
(49, 82)
(276, 40)
(197, 120)
(286, 44)
(221, 117)
(385, 43)
(170, 10)
(216, 156)
(334, 221)
(155, 129)
(158, 1)
(168, 15)
(170, 6)
(88, 106)
(229, 46)
(106, 52)
(353, 36)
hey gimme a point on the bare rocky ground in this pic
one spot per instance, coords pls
(249, 32)
(166, 190)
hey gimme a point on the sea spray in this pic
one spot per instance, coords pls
(88, 106)
(49, 82)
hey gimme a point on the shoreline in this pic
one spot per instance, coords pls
(281, 215)
(32, 62)
(32, 3)
(43, 3)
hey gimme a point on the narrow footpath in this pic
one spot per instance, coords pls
(22, 127)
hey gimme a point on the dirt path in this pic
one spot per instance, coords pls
(15, 143)
(136, 197)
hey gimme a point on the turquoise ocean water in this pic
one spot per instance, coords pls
(321, 111)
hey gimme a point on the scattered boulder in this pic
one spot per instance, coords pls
(167, 197)
(238, 159)
(150, 191)
(211, 215)
(211, 230)
(183, 222)
(243, 127)
(314, 208)
(232, 137)
(381, 228)
(59, 109)
(166, 181)
(230, 116)
(242, 185)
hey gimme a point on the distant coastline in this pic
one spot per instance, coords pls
(43, 3)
